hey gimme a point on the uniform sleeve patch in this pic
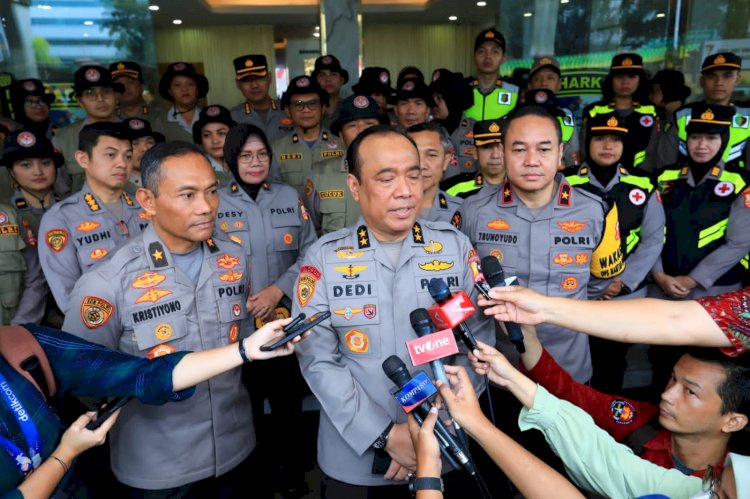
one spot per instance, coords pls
(308, 280)
(57, 239)
(95, 311)
(623, 411)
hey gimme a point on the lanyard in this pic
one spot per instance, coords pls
(26, 463)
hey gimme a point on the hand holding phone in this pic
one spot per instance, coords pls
(293, 332)
(107, 410)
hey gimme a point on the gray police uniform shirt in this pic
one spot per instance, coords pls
(651, 235)
(79, 232)
(274, 121)
(328, 198)
(443, 207)
(463, 154)
(173, 125)
(140, 303)
(23, 290)
(70, 177)
(294, 160)
(550, 253)
(349, 273)
(148, 112)
(275, 231)
(30, 214)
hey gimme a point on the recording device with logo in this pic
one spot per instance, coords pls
(301, 327)
(452, 310)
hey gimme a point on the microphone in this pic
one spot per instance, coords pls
(452, 310)
(397, 372)
(495, 276)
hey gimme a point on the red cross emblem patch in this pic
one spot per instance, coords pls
(724, 189)
(637, 196)
(646, 121)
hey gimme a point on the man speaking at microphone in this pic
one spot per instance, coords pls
(371, 276)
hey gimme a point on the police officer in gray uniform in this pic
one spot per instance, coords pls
(370, 276)
(129, 74)
(488, 152)
(434, 146)
(326, 194)
(171, 288)
(183, 86)
(254, 81)
(96, 94)
(83, 229)
(310, 146)
(550, 235)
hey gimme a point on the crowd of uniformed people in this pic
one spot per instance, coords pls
(153, 228)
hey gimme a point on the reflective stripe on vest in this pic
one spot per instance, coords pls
(633, 238)
(490, 107)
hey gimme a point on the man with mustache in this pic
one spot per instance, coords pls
(370, 276)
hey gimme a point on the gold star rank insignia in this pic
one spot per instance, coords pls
(417, 233)
(443, 201)
(507, 193)
(564, 198)
(364, 237)
(156, 251)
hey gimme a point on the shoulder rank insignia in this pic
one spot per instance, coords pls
(583, 171)
(233, 187)
(156, 252)
(21, 203)
(265, 186)
(715, 171)
(623, 171)
(324, 136)
(564, 198)
(479, 179)
(211, 245)
(91, 202)
(248, 109)
(295, 138)
(127, 199)
(684, 171)
(416, 233)
(363, 237)
(443, 201)
(507, 195)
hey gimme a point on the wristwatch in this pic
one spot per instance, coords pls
(425, 483)
(383, 438)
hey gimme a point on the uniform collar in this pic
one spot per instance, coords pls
(249, 108)
(365, 241)
(441, 201)
(713, 174)
(563, 197)
(95, 206)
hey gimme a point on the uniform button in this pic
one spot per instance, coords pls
(137, 249)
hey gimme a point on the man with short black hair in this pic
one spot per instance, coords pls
(84, 228)
(331, 77)
(488, 152)
(129, 74)
(413, 103)
(493, 97)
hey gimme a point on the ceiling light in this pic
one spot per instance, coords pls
(481, 4)
(85, 35)
(176, 21)
(527, 14)
(564, 1)
(88, 23)
(44, 7)
(453, 18)
(317, 28)
(316, 34)
(153, 7)
(661, 14)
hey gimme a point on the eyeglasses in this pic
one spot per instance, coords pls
(34, 103)
(93, 93)
(711, 481)
(248, 157)
(312, 105)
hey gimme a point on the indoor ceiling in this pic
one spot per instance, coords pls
(298, 18)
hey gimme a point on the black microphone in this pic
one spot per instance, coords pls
(397, 372)
(441, 293)
(495, 276)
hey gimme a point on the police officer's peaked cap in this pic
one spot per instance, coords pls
(182, 69)
(414, 89)
(90, 76)
(626, 64)
(250, 65)
(212, 114)
(487, 132)
(303, 85)
(24, 144)
(489, 35)
(138, 128)
(330, 63)
(709, 118)
(20, 89)
(544, 61)
(722, 60)
(126, 68)
(357, 107)
(373, 80)
(605, 124)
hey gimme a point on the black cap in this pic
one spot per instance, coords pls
(20, 89)
(126, 68)
(672, 84)
(414, 89)
(182, 69)
(357, 107)
(626, 64)
(453, 87)
(489, 35)
(138, 128)
(303, 85)
(722, 60)
(330, 63)
(605, 124)
(487, 132)
(24, 144)
(373, 80)
(709, 118)
(542, 97)
(250, 65)
(545, 61)
(212, 114)
(90, 76)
